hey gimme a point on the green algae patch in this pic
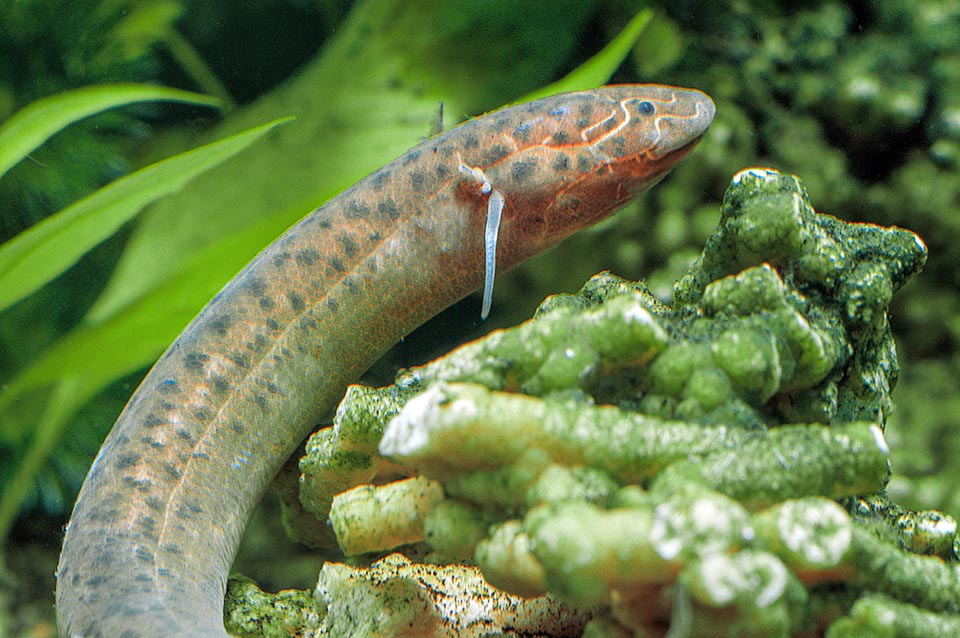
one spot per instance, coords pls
(253, 612)
(716, 466)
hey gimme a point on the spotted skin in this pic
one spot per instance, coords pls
(159, 518)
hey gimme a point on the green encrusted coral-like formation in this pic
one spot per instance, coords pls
(717, 466)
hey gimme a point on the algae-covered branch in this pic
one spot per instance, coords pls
(618, 466)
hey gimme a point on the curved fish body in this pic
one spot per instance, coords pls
(160, 515)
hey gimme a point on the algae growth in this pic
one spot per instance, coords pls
(715, 467)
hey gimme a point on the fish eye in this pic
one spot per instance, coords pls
(646, 108)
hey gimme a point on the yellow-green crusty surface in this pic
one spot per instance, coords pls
(718, 464)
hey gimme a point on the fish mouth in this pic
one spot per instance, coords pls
(685, 130)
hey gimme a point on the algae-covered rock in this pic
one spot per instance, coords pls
(253, 612)
(717, 465)
(394, 597)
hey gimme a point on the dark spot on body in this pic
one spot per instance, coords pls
(171, 548)
(273, 324)
(337, 264)
(203, 456)
(412, 156)
(220, 325)
(559, 138)
(273, 388)
(238, 427)
(152, 421)
(184, 434)
(93, 581)
(255, 286)
(107, 514)
(389, 208)
(195, 361)
(332, 304)
(262, 402)
(267, 303)
(280, 259)
(374, 237)
(144, 555)
(172, 470)
(189, 510)
(169, 386)
(221, 384)
(296, 301)
(147, 523)
(139, 484)
(126, 460)
(349, 245)
(471, 142)
(501, 122)
(494, 154)
(155, 503)
(324, 223)
(417, 181)
(561, 163)
(307, 256)
(358, 210)
(238, 359)
(380, 179)
(584, 163)
(143, 578)
(442, 171)
(522, 170)
(202, 414)
(259, 344)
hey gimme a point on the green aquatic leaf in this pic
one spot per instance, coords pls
(32, 125)
(598, 69)
(57, 409)
(42, 252)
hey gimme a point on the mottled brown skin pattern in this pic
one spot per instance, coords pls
(159, 518)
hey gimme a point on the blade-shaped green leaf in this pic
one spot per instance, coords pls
(32, 125)
(598, 69)
(44, 251)
(59, 407)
